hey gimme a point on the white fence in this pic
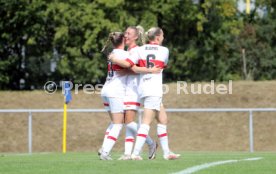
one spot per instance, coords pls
(249, 110)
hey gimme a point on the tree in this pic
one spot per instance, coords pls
(61, 40)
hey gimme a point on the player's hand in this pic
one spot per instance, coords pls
(155, 70)
(111, 57)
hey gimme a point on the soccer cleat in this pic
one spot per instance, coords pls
(125, 157)
(136, 157)
(105, 157)
(152, 150)
(171, 156)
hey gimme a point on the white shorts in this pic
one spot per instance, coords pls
(114, 105)
(152, 102)
(131, 103)
(131, 99)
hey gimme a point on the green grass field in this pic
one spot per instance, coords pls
(84, 163)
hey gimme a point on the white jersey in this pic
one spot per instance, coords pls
(150, 55)
(115, 82)
(131, 99)
(132, 79)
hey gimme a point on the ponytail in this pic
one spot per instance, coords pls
(141, 34)
(116, 38)
(107, 47)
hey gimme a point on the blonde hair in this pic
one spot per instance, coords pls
(140, 32)
(153, 32)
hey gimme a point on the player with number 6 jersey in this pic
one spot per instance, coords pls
(150, 55)
(151, 92)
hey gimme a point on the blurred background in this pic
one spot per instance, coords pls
(208, 39)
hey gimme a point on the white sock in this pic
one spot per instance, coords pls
(107, 131)
(131, 131)
(112, 137)
(163, 137)
(149, 140)
(141, 138)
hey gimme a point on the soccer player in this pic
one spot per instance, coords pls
(150, 90)
(114, 90)
(134, 34)
(112, 93)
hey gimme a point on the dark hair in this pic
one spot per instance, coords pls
(116, 38)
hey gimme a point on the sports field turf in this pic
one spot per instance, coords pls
(88, 162)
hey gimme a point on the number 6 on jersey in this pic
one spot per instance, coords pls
(149, 63)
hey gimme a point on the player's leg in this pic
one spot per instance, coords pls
(131, 127)
(131, 105)
(131, 131)
(117, 113)
(106, 134)
(163, 136)
(107, 108)
(151, 108)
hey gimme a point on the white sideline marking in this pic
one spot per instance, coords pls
(207, 165)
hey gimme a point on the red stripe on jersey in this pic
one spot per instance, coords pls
(142, 135)
(130, 61)
(115, 67)
(162, 135)
(112, 138)
(132, 103)
(106, 104)
(129, 140)
(158, 63)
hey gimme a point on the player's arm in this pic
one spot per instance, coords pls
(166, 57)
(121, 62)
(144, 70)
(128, 63)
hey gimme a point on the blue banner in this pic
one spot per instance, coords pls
(67, 91)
